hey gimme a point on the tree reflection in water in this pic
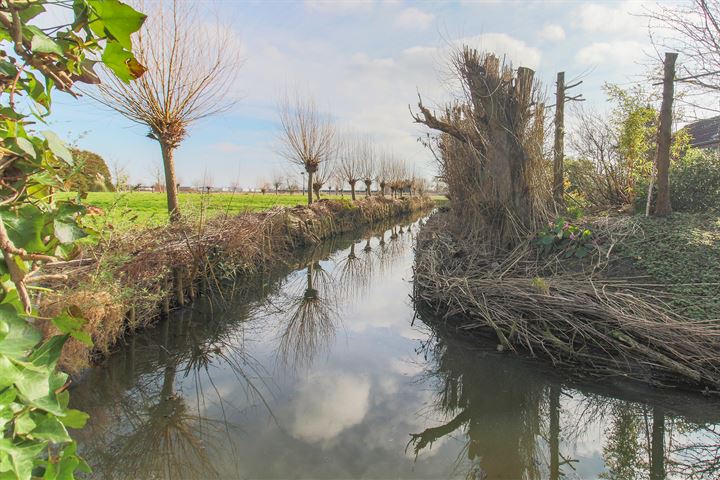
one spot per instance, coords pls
(517, 422)
(142, 426)
(156, 411)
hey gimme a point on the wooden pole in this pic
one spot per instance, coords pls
(662, 159)
(559, 146)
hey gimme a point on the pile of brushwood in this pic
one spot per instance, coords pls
(576, 312)
(127, 281)
(493, 265)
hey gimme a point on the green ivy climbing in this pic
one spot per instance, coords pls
(34, 228)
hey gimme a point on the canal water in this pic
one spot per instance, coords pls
(323, 370)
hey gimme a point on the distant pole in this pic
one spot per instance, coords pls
(559, 146)
(662, 159)
(302, 182)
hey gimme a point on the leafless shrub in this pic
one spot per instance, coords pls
(307, 137)
(180, 86)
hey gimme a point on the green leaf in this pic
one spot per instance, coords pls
(122, 62)
(57, 146)
(22, 457)
(24, 423)
(120, 20)
(49, 352)
(74, 418)
(21, 336)
(8, 372)
(68, 232)
(50, 428)
(71, 325)
(25, 227)
(41, 43)
(25, 145)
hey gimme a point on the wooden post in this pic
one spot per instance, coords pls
(662, 159)
(559, 146)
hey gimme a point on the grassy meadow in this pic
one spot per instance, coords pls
(144, 209)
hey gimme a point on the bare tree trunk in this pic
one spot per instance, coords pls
(367, 188)
(662, 160)
(352, 190)
(310, 188)
(170, 181)
(559, 147)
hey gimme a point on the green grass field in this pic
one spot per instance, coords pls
(142, 209)
(129, 210)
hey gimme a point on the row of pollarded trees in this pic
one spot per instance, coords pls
(310, 140)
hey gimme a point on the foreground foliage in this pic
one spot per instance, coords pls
(34, 228)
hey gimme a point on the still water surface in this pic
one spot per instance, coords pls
(322, 370)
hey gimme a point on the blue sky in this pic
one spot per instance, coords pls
(364, 63)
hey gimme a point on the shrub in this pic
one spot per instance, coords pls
(694, 183)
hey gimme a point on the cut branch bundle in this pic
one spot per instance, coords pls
(607, 327)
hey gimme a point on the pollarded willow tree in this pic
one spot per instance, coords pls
(307, 138)
(191, 65)
(350, 152)
(368, 165)
(488, 149)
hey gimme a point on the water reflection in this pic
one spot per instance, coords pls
(316, 370)
(167, 405)
(519, 421)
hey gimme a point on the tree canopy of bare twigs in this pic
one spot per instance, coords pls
(368, 161)
(488, 140)
(306, 136)
(693, 30)
(350, 153)
(191, 65)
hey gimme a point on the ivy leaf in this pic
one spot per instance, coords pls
(24, 227)
(21, 336)
(119, 19)
(21, 456)
(122, 62)
(57, 146)
(26, 146)
(40, 42)
(72, 326)
(50, 428)
(74, 418)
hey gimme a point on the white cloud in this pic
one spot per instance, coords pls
(329, 403)
(503, 45)
(413, 18)
(340, 7)
(612, 17)
(618, 52)
(552, 32)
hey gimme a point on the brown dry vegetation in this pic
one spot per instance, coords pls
(575, 314)
(479, 267)
(127, 282)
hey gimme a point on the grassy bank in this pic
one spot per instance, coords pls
(681, 252)
(130, 279)
(134, 210)
(640, 304)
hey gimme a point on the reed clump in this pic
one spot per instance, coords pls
(574, 314)
(129, 280)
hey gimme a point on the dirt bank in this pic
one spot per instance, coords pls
(127, 282)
